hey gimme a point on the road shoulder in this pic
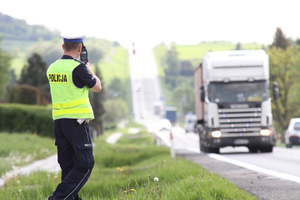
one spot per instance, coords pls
(262, 186)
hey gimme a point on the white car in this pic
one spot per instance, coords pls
(292, 134)
(189, 123)
(164, 124)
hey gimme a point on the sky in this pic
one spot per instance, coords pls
(154, 21)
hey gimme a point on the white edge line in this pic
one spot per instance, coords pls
(244, 165)
(250, 166)
(256, 168)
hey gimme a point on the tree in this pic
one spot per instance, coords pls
(173, 67)
(297, 41)
(280, 40)
(95, 54)
(116, 109)
(26, 94)
(173, 62)
(285, 69)
(51, 50)
(186, 68)
(5, 61)
(34, 74)
(238, 46)
(97, 101)
(114, 89)
(184, 97)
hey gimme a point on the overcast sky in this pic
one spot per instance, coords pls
(155, 21)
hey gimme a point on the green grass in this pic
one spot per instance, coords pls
(195, 53)
(115, 65)
(22, 149)
(17, 64)
(126, 170)
(159, 52)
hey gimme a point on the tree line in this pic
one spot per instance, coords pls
(16, 29)
(284, 69)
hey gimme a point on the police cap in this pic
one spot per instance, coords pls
(72, 37)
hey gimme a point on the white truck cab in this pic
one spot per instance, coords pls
(232, 99)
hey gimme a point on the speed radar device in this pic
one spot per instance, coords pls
(84, 54)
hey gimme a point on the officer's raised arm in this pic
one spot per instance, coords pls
(97, 87)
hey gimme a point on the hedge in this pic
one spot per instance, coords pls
(26, 118)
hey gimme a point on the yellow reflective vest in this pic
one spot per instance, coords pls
(68, 101)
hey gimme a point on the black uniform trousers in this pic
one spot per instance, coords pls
(75, 157)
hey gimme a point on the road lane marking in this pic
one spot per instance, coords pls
(241, 164)
(250, 166)
(256, 168)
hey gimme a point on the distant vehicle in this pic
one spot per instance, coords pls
(170, 113)
(292, 134)
(189, 122)
(158, 106)
(233, 105)
(164, 124)
(138, 87)
(133, 49)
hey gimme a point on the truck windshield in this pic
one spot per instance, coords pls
(238, 92)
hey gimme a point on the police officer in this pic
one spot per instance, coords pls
(70, 81)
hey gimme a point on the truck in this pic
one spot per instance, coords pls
(170, 114)
(232, 101)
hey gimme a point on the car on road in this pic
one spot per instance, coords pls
(189, 122)
(138, 87)
(292, 133)
(164, 124)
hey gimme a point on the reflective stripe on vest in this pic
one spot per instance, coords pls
(72, 110)
(70, 104)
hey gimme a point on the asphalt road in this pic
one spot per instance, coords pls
(259, 184)
(265, 175)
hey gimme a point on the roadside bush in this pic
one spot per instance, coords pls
(116, 109)
(27, 94)
(26, 118)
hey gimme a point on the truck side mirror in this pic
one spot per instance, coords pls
(275, 89)
(202, 94)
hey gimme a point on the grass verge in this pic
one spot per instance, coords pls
(134, 168)
(22, 149)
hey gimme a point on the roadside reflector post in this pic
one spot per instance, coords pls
(157, 140)
(172, 145)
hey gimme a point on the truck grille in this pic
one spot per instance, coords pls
(244, 121)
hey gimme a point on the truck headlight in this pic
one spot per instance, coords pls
(216, 134)
(265, 132)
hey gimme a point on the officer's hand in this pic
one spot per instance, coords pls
(88, 66)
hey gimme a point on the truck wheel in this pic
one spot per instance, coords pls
(253, 149)
(202, 147)
(289, 145)
(267, 149)
(213, 150)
